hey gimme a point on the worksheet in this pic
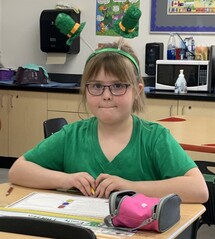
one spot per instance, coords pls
(64, 204)
(80, 210)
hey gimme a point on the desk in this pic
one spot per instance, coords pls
(194, 133)
(189, 214)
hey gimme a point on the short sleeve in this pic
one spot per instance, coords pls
(171, 159)
(49, 152)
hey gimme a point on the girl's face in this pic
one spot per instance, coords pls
(109, 108)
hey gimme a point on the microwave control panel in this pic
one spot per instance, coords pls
(203, 74)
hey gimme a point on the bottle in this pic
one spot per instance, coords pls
(171, 47)
(182, 47)
(190, 43)
(181, 84)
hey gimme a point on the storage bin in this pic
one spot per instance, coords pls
(6, 74)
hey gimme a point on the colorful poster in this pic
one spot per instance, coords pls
(109, 11)
(189, 7)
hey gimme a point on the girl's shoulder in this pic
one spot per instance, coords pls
(147, 125)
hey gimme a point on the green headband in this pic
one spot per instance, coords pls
(115, 50)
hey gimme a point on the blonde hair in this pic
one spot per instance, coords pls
(125, 68)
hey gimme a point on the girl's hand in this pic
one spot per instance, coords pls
(83, 181)
(105, 184)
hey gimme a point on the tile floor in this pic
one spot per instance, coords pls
(205, 232)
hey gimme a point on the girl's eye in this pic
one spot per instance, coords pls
(118, 86)
(97, 86)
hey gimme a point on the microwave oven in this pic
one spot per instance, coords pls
(197, 74)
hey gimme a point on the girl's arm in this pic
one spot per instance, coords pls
(191, 187)
(31, 175)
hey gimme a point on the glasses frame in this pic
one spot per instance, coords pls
(109, 87)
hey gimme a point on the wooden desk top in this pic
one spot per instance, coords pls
(189, 213)
(194, 133)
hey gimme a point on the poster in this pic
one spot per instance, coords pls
(173, 16)
(109, 11)
(191, 7)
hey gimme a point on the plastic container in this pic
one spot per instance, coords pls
(171, 47)
(181, 84)
(202, 53)
(182, 47)
(190, 43)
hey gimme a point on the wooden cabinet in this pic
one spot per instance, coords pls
(187, 107)
(67, 106)
(159, 108)
(22, 114)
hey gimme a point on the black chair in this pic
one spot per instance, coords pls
(208, 216)
(53, 125)
(44, 228)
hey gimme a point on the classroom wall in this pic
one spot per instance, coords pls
(20, 40)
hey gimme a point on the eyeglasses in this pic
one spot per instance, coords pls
(116, 89)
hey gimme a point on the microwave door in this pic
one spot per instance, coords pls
(196, 75)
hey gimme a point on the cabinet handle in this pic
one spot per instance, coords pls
(11, 101)
(170, 110)
(182, 111)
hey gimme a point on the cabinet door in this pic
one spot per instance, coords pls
(27, 111)
(65, 102)
(206, 108)
(159, 108)
(3, 123)
(67, 106)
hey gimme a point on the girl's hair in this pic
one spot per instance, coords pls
(123, 64)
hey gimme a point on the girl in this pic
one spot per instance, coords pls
(115, 149)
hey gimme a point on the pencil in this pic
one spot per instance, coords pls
(9, 191)
(92, 191)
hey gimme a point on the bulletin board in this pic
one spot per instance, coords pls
(197, 18)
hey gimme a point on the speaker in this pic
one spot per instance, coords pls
(51, 39)
(153, 52)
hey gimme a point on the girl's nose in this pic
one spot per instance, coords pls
(107, 95)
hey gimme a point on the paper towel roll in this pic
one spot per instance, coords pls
(56, 58)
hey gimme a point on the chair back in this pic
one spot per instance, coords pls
(44, 228)
(209, 216)
(53, 125)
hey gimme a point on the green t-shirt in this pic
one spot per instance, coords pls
(151, 154)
